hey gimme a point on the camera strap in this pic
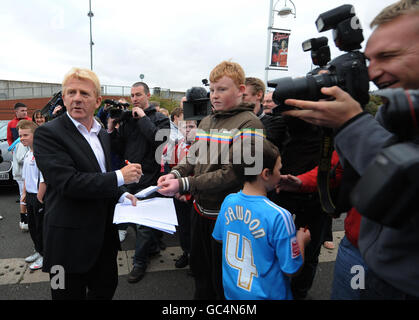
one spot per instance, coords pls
(323, 173)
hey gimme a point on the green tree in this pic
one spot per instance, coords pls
(168, 104)
(373, 104)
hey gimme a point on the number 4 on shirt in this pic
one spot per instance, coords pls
(244, 264)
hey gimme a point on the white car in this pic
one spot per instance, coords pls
(6, 177)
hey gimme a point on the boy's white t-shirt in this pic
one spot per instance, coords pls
(31, 174)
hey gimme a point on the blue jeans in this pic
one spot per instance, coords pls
(147, 243)
(347, 257)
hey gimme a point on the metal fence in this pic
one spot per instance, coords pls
(107, 90)
(29, 92)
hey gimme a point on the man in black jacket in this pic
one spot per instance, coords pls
(276, 128)
(73, 154)
(135, 141)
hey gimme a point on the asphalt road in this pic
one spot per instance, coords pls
(162, 281)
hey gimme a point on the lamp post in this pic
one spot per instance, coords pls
(90, 15)
(283, 12)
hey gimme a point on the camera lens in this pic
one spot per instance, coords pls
(305, 88)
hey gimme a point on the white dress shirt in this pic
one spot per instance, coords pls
(94, 142)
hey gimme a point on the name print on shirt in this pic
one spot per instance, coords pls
(246, 218)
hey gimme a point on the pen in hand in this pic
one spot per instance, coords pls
(127, 163)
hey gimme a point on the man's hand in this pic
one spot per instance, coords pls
(165, 178)
(182, 197)
(303, 237)
(132, 173)
(111, 125)
(137, 112)
(289, 183)
(132, 198)
(40, 199)
(56, 109)
(332, 114)
(169, 188)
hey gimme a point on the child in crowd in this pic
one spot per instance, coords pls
(207, 172)
(38, 117)
(183, 203)
(261, 247)
(19, 154)
(34, 189)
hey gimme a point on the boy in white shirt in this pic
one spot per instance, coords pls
(19, 154)
(33, 193)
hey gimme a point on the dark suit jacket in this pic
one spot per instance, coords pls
(80, 199)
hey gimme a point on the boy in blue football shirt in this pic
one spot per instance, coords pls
(261, 248)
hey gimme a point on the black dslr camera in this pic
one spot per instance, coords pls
(197, 105)
(116, 104)
(388, 191)
(348, 71)
(117, 111)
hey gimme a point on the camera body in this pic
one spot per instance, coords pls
(117, 111)
(197, 105)
(56, 100)
(348, 71)
(116, 104)
(388, 191)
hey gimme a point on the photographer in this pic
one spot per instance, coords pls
(105, 111)
(393, 51)
(276, 128)
(135, 141)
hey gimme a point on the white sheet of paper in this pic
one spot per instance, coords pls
(146, 192)
(158, 213)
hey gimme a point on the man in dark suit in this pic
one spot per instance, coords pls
(73, 153)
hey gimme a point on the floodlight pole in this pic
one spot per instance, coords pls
(90, 15)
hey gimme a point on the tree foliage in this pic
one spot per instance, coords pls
(373, 104)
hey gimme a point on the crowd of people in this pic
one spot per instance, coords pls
(244, 235)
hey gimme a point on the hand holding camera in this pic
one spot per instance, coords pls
(348, 72)
(137, 112)
(332, 114)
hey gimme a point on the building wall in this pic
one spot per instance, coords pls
(35, 95)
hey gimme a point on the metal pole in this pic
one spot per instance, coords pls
(90, 14)
(268, 38)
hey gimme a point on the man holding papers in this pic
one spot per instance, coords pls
(73, 154)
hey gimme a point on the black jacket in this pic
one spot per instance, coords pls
(80, 199)
(276, 129)
(135, 141)
(302, 152)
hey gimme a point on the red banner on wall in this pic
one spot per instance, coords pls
(279, 49)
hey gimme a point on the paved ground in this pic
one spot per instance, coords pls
(162, 281)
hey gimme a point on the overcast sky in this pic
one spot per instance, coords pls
(174, 44)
